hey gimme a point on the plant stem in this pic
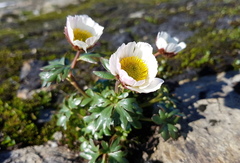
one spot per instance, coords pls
(156, 54)
(112, 139)
(116, 86)
(104, 158)
(72, 79)
(75, 59)
(152, 101)
(146, 119)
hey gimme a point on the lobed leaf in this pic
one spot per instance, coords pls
(90, 58)
(105, 63)
(104, 75)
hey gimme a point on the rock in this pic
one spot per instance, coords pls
(138, 14)
(118, 39)
(30, 79)
(39, 154)
(210, 130)
(37, 7)
(45, 115)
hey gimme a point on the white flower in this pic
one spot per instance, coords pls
(136, 67)
(82, 32)
(168, 45)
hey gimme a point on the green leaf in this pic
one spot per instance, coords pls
(48, 76)
(128, 112)
(157, 119)
(176, 119)
(6, 140)
(105, 63)
(136, 124)
(90, 151)
(123, 95)
(85, 101)
(127, 104)
(117, 157)
(172, 131)
(56, 71)
(62, 61)
(74, 102)
(91, 58)
(99, 101)
(165, 133)
(62, 121)
(66, 71)
(100, 121)
(115, 145)
(108, 93)
(104, 75)
(90, 93)
(105, 146)
(175, 111)
(162, 114)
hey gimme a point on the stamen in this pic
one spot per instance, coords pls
(135, 67)
(81, 35)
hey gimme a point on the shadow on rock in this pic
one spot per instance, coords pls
(232, 100)
(210, 128)
(223, 85)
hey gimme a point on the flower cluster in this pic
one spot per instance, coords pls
(133, 64)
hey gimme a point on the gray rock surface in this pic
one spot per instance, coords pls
(30, 80)
(37, 7)
(39, 154)
(210, 131)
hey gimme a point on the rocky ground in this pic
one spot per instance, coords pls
(39, 154)
(211, 103)
(210, 130)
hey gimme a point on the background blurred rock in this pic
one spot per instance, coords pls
(14, 7)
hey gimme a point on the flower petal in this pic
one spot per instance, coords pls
(153, 86)
(161, 43)
(114, 65)
(125, 78)
(180, 47)
(81, 44)
(171, 48)
(127, 50)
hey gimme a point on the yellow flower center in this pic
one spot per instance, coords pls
(81, 35)
(135, 67)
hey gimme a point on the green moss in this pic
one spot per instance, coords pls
(6, 33)
(11, 62)
(18, 120)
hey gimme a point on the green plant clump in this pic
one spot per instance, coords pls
(126, 95)
(18, 119)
